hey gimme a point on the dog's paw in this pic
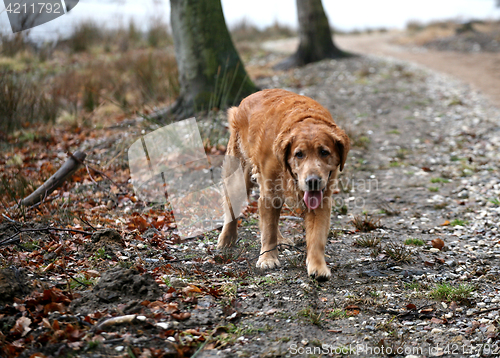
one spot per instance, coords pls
(223, 245)
(228, 236)
(225, 241)
(267, 262)
(319, 272)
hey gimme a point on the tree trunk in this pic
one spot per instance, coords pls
(316, 41)
(211, 73)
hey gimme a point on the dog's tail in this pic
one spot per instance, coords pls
(233, 118)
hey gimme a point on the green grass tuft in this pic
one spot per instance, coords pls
(414, 242)
(458, 222)
(439, 180)
(447, 292)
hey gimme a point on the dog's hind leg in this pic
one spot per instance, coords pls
(229, 232)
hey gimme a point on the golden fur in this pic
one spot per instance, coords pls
(292, 147)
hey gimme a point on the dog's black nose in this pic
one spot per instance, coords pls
(313, 182)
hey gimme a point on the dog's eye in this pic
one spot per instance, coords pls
(324, 153)
(299, 154)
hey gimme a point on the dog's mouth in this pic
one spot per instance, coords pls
(313, 198)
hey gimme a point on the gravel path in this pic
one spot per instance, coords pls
(480, 69)
(425, 162)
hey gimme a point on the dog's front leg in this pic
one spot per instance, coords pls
(269, 213)
(317, 227)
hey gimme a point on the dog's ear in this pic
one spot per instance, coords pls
(281, 148)
(342, 144)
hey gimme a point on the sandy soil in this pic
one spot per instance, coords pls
(481, 70)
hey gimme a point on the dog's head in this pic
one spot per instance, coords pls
(312, 151)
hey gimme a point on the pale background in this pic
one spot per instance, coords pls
(343, 15)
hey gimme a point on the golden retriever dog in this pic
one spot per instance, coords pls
(292, 147)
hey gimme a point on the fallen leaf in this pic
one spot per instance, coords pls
(411, 306)
(92, 273)
(352, 312)
(446, 223)
(49, 267)
(22, 326)
(38, 355)
(437, 320)
(437, 244)
(182, 316)
(191, 289)
(156, 304)
(46, 323)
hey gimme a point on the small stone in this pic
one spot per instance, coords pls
(481, 305)
(373, 273)
(451, 263)
(304, 342)
(436, 330)
(433, 250)
(164, 325)
(177, 282)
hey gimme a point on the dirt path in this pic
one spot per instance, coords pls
(481, 70)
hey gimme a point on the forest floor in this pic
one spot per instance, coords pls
(414, 245)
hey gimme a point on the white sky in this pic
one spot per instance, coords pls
(362, 14)
(344, 15)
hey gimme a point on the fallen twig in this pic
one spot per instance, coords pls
(8, 218)
(487, 310)
(55, 181)
(116, 320)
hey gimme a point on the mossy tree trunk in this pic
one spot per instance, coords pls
(211, 73)
(316, 42)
